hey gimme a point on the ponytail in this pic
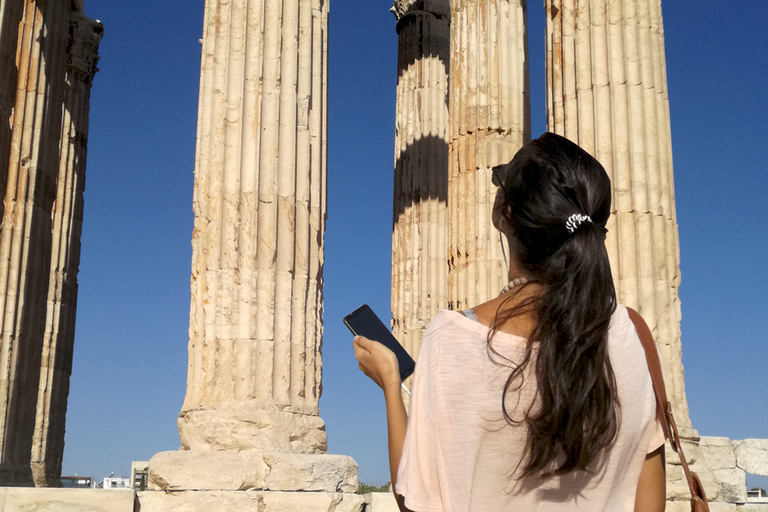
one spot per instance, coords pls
(558, 202)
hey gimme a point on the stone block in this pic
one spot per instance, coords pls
(715, 506)
(244, 428)
(685, 506)
(678, 506)
(247, 501)
(752, 507)
(752, 455)
(380, 502)
(733, 485)
(205, 470)
(30, 499)
(677, 485)
(717, 452)
(289, 472)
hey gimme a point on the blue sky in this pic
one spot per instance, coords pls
(130, 357)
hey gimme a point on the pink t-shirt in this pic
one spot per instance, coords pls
(459, 452)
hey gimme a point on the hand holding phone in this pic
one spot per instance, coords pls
(364, 322)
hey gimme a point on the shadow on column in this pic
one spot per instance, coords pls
(421, 172)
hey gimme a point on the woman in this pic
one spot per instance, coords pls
(539, 399)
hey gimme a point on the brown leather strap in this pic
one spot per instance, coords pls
(654, 365)
(663, 407)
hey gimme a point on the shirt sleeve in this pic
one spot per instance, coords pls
(418, 476)
(657, 439)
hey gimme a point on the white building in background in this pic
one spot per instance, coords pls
(757, 496)
(113, 482)
(77, 482)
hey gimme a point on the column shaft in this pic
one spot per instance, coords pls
(58, 341)
(607, 91)
(259, 203)
(489, 122)
(25, 235)
(419, 230)
(10, 16)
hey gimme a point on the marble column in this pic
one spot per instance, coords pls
(31, 170)
(489, 122)
(607, 91)
(254, 376)
(419, 230)
(67, 215)
(10, 17)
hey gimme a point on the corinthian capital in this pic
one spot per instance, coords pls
(436, 7)
(82, 51)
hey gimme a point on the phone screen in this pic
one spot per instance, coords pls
(364, 322)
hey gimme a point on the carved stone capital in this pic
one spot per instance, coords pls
(436, 7)
(83, 48)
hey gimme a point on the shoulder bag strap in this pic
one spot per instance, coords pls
(663, 407)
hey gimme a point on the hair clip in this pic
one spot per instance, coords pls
(575, 220)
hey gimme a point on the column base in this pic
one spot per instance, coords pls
(244, 501)
(16, 476)
(206, 470)
(248, 427)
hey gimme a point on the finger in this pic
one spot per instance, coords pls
(360, 352)
(363, 342)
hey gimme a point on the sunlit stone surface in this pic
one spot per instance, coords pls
(253, 381)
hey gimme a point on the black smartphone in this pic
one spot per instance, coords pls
(364, 322)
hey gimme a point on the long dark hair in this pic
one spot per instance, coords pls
(548, 181)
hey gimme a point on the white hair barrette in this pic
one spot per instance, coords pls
(575, 220)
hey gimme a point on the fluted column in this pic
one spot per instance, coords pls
(10, 16)
(250, 424)
(419, 230)
(607, 91)
(58, 342)
(25, 235)
(259, 203)
(489, 122)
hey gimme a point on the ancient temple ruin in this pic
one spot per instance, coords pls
(250, 426)
(48, 56)
(607, 91)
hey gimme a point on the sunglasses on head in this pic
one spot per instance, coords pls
(498, 175)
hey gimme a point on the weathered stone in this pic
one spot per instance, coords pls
(489, 121)
(246, 501)
(717, 452)
(59, 339)
(207, 470)
(419, 231)
(732, 483)
(250, 419)
(718, 455)
(334, 473)
(247, 428)
(607, 91)
(380, 502)
(752, 455)
(66, 500)
(685, 506)
(44, 98)
(719, 507)
(259, 204)
(752, 507)
(251, 470)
